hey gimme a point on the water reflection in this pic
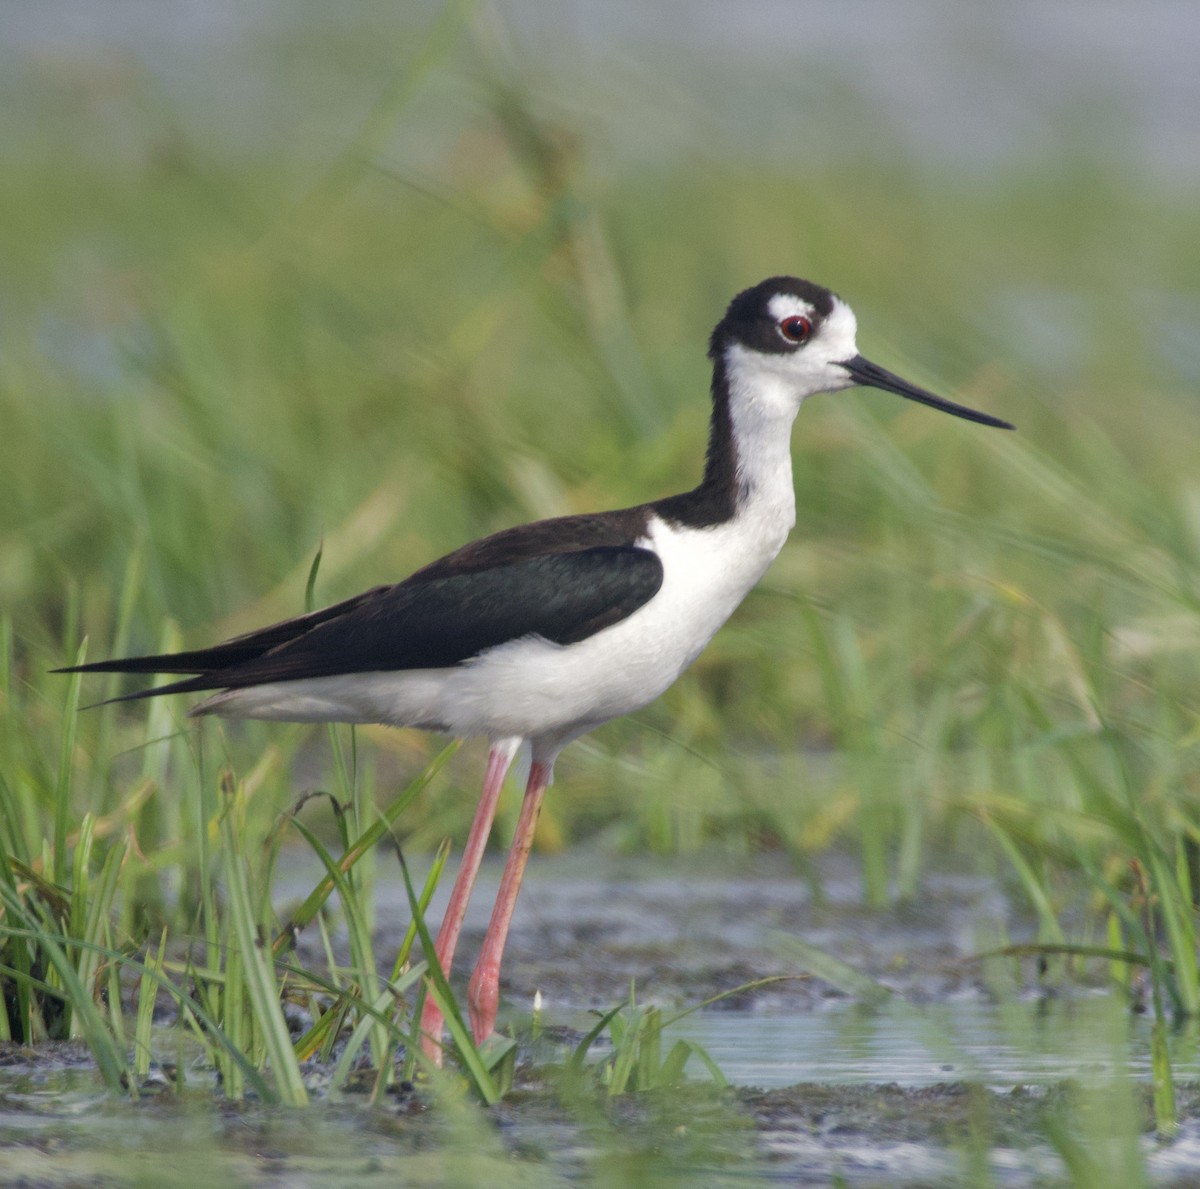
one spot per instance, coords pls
(1025, 1042)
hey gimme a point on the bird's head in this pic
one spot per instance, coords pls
(790, 338)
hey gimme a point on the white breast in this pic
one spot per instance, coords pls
(532, 687)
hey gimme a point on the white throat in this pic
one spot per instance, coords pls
(763, 403)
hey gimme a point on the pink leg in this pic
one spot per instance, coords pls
(483, 994)
(499, 759)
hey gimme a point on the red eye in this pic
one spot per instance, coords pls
(795, 329)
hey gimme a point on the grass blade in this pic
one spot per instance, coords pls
(261, 988)
(369, 838)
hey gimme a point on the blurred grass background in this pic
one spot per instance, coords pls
(393, 277)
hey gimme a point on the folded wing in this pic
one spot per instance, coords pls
(425, 622)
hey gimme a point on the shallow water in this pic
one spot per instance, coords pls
(588, 926)
(892, 1094)
(962, 1067)
(1002, 1047)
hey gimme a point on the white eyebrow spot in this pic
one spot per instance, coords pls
(788, 305)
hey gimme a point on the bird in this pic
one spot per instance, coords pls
(542, 632)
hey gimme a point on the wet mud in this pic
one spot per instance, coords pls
(684, 930)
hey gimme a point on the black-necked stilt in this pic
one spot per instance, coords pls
(544, 631)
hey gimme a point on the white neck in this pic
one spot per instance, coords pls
(763, 403)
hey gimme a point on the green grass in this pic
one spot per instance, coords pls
(977, 648)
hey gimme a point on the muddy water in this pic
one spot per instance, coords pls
(963, 1071)
(683, 930)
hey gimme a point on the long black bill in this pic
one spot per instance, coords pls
(871, 375)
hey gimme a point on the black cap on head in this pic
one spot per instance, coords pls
(749, 320)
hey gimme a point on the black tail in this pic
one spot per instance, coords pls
(204, 660)
(206, 679)
(213, 667)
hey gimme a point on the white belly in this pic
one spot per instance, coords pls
(532, 688)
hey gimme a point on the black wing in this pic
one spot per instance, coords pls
(427, 621)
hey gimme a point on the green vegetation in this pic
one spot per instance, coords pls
(217, 358)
